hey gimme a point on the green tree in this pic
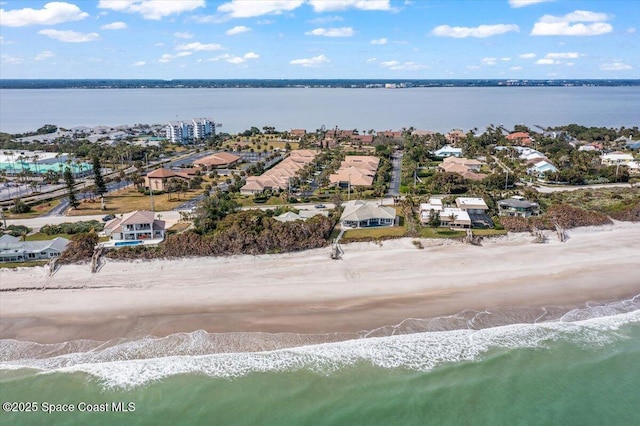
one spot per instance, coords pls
(212, 209)
(71, 191)
(101, 186)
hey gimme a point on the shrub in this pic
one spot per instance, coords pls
(72, 227)
(20, 207)
(80, 248)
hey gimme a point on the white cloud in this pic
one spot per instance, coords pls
(45, 54)
(630, 30)
(152, 9)
(51, 14)
(238, 30)
(184, 34)
(480, 31)
(114, 26)
(159, 44)
(615, 66)
(196, 46)
(505, 59)
(13, 60)
(252, 8)
(251, 55)
(311, 62)
(515, 68)
(139, 64)
(332, 32)
(3, 41)
(235, 60)
(527, 55)
(402, 66)
(326, 20)
(523, 3)
(546, 61)
(372, 60)
(379, 41)
(564, 55)
(168, 57)
(70, 36)
(335, 5)
(572, 24)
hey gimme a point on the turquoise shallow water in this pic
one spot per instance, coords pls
(578, 372)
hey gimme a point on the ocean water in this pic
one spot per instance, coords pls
(580, 368)
(438, 109)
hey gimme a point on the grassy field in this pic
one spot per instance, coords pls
(381, 233)
(13, 265)
(36, 211)
(129, 200)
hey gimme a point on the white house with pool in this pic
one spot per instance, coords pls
(139, 227)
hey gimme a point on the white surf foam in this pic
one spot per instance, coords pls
(128, 364)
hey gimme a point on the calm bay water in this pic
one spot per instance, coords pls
(580, 369)
(437, 109)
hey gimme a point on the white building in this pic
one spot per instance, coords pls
(360, 214)
(184, 131)
(615, 158)
(12, 249)
(203, 127)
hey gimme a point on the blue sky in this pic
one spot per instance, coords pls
(170, 39)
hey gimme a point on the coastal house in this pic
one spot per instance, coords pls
(12, 249)
(541, 168)
(616, 158)
(361, 214)
(157, 179)
(455, 136)
(137, 227)
(219, 160)
(518, 206)
(449, 217)
(469, 212)
(465, 167)
(520, 138)
(448, 151)
(477, 210)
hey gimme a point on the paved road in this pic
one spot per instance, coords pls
(396, 174)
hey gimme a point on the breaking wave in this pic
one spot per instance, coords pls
(134, 363)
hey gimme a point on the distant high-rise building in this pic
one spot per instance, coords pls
(203, 127)
(184, 132)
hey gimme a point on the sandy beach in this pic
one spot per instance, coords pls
(374, 285)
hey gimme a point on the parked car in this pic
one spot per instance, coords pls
(108, 217)
(320, 206)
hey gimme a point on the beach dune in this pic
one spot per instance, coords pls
(374, 285)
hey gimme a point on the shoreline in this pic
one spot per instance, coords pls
(308, 294)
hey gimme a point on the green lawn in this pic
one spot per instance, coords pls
(23, 264)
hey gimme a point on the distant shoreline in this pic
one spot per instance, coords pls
(302, 83)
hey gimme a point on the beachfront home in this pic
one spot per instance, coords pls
(12, 249)
(465, 167)
(133, 228)
(469, 212)
(448, 151)
(218, 160)
(361, 214)
(518, 206)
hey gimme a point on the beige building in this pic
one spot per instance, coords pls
(218, 160)
(355, 170)
(279, 177)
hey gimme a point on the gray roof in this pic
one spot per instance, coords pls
(513, 202)
(360, 210)
(58, 244)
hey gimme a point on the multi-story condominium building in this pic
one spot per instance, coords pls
(203, 127)
(183, 131)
